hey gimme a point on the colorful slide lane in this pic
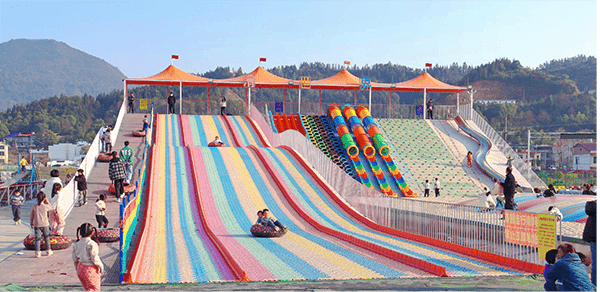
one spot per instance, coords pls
(303, 253)
(174, 247)
(322, 208)
(205, 128)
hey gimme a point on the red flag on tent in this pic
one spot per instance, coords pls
(428, 65)
(175, 57)
(263, 60)
(346, 62)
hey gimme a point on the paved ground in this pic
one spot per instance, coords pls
(58, 269)
(524, 283)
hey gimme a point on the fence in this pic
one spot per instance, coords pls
(517, 162)
(473, 227)
(29, 191)
(131, 205)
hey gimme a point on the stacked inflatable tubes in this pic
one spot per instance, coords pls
(367, 147)
(380, 144)
(383, 150)
(349, 144)
(359, 132)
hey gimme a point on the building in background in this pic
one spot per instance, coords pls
(584, 156)
(65, 152)
(23, 142)
(3, 152)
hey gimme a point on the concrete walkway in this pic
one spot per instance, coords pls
(58, 270)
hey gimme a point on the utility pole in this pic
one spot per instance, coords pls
(506, 128)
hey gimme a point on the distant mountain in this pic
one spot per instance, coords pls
(36, 69)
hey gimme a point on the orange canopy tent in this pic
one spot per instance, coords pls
(261, 78)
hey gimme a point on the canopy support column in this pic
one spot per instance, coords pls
(299, 97)
(354, 97)
(320, 102)
(457, 104)
(284, 100)
(167, 99)
(249, 100)
(370, 99)
(390, 107)
(424, 101)
(180, 97)
(207, 100)
(124, 93)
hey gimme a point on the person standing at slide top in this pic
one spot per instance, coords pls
(171, 102)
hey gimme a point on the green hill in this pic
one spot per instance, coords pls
(36, 69)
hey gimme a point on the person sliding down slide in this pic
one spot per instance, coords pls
(216, 142)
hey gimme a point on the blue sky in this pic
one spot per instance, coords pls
(140, 36)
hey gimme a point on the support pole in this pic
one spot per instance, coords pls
(354, 97)
(471, 114)
(207, 100)
(284, 100)
(457, 104)
(167, 99)
(528, 147)
(180, 97)
(320, 102)
(370, 99)
(390, 107)
(424, 102)
(299, 97)
(249, 100)
(124, 93)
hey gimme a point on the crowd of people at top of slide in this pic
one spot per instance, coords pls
(171, 100)
(265, 220)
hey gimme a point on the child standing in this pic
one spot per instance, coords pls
(427, 186)
(100, 209)
(86, 260)
(16, 200)
(145, 121)
(38, 219)
(81, 187)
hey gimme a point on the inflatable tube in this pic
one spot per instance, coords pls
(258, 230)
(138, 133)
(127, 188)
(211, 144)
(104, 157)
(57, 242)
(107, 234)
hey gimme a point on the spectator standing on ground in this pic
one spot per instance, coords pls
(436, 186)
(57, 215)
(550, 191)
(131, 101)
(38, 219)
(589, 234)
(126, 155)
(569, 270)
(16, 201)
(145, 121)
(223, 105)
(101, 136)
(509, 162)
(107, 140)
(427, 186)
(81, 188)
(86, 259)
(100, 211)
(171, 102)
(49, 184)
(430, 109)
(509, 186)
(117, 173)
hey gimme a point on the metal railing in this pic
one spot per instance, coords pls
(475, 227)
(517, 162)
(29, 191)
(131, 206)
